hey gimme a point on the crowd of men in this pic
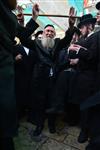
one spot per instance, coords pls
(47, 76)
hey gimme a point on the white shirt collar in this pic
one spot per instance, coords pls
(90, 33)
(26, 50)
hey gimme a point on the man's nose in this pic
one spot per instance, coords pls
(49, 33)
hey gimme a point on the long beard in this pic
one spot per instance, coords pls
(47, 42)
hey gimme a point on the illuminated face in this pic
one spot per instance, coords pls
(49, 32)
(12, 4)
(84, 30)
(98, 17)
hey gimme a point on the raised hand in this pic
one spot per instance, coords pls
(72, 13)
(35, 11)
(20, 15)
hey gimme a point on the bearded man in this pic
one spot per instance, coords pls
(44, 74)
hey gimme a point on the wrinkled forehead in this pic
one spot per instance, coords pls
(49, 28)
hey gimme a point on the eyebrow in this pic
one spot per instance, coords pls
(50, 30)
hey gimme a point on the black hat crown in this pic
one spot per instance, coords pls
(87, 16)
(98, 6)
(85, 19)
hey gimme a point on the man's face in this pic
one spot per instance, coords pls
(39, 36)
(49, 32)
(98, 17)
(12, 4)
(84, 30)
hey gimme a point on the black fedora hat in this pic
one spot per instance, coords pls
(85, 19)
(98, 6)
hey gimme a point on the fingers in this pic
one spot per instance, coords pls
(35, 11)
(20, 17)
(74, 47)
(36, 7)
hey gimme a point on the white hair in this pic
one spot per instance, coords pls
(47, 42)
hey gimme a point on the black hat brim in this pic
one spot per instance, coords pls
(98, 6)
(86, 21)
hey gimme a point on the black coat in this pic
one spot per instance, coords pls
(43, 55)
(42, 82)
(7, 75)
(98, 65)
(84, 83)
(95, 98)
(23, 75)
(65, 78)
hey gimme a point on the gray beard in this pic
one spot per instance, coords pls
(47, 42)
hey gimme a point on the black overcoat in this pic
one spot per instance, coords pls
(42, 82)
(9, 28)
(84, 83)
(95, 98)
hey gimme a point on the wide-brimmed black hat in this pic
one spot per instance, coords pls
(98, 6)
(85, 19)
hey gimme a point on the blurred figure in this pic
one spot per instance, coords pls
(98, 13)
(86, 51)
(76, 36)
(67, 68)
(44, 74)
(38, 34)
(9, 28)
(20, 15)
(23, 72)
(93, 103)
(97, 26)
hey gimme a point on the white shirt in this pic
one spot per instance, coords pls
(26, 50)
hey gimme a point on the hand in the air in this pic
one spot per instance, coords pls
(35, 11)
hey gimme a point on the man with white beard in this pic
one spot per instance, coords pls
(47, 42)
(44, 75)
